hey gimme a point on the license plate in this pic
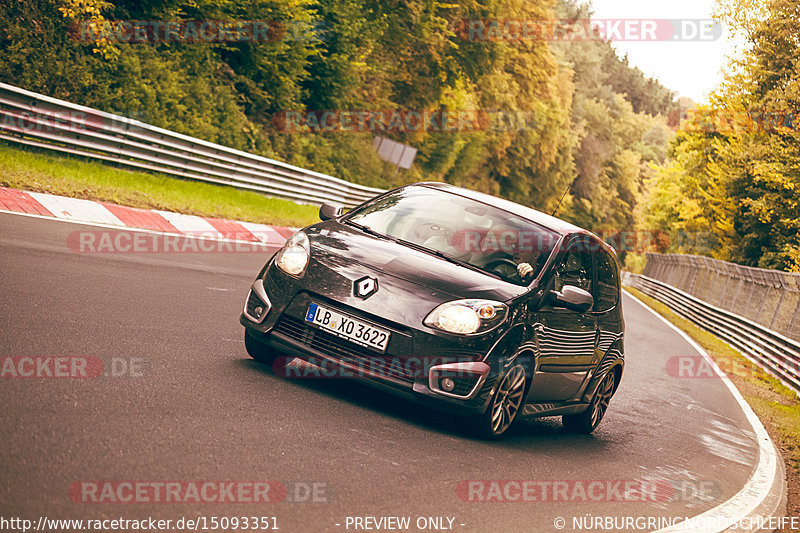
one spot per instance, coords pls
(348, 328)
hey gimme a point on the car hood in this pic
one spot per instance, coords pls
(337, 245)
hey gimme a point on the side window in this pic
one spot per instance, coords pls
(607, 279)
(575, 269)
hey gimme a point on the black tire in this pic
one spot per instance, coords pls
(258, 350)
(505, 405)
(588, 420)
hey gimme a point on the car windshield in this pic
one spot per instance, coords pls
(461, 229)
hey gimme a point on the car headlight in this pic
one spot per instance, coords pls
(293, 257)
(466, 317)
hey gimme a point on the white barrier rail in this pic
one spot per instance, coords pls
(775, 353)
(40, 121)
(770, 298)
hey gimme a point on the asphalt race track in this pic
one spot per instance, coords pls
(198, 408)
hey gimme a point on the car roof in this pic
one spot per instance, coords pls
(550, 222)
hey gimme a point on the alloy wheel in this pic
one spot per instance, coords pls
(602, 398)
(508, 399)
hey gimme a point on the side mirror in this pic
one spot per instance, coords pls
(572, 298)
(329, 211)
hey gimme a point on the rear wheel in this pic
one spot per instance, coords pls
(588, 420)
(505, 404)
(258, 350)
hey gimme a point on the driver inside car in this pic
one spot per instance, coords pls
(513, 262)
(521, 254)
(524, 269)
(498, 243)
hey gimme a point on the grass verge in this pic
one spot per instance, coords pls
(38, 170)
(776, 405)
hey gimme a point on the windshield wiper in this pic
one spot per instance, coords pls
(367, 229)
(446, 257)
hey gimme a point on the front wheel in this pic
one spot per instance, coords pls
(504, 406)
(258, 351)
(589, 419)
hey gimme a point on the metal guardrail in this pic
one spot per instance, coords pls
(775, 353)
(770, 298)
(41, 121)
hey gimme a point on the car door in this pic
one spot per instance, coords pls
(565, 339)
(607, 311)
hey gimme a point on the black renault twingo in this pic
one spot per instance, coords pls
(466, 302)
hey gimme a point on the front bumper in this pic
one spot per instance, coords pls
(414, 365)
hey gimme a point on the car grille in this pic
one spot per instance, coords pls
(346, 351)
(464, 386)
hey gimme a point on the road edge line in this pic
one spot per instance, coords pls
(765, 491)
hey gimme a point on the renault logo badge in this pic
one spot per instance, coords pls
(366, 287)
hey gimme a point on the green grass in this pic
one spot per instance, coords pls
(776, 405)
(37, 170)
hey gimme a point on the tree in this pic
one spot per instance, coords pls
(737, 161)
